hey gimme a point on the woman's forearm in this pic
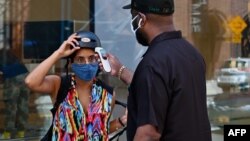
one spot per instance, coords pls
(115, 125)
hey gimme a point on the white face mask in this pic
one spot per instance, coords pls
(132, 27)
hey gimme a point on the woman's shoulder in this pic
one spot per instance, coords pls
(109, 88)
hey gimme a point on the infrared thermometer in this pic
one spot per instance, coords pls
(103, 56)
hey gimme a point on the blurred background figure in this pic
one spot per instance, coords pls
(15, 95)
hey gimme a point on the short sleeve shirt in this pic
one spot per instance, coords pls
(168, 91)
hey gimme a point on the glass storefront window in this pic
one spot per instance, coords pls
(30, 30)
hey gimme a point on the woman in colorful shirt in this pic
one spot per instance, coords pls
(84, 111)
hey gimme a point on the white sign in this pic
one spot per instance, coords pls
(196, 15)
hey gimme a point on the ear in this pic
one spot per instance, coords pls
(142, 20)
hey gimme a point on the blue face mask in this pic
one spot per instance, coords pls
(85, 72)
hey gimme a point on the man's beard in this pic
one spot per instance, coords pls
(140, 38)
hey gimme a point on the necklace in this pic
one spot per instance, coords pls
(82, 91)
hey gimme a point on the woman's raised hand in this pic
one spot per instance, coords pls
(69, 46)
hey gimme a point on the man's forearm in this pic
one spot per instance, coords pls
(126, 76)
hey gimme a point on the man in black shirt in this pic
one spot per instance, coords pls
(167, 95)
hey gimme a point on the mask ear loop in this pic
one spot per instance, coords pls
(139, 23)
(131, 23)
(134, 18)
(139, 26)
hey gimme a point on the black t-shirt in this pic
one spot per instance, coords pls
(168, 91)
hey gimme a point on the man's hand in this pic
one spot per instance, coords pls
(125, 74)
(114, 63)
(147, 133)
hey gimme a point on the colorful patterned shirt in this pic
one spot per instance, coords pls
(71, 123)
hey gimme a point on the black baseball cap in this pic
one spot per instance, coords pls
(163, 7)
